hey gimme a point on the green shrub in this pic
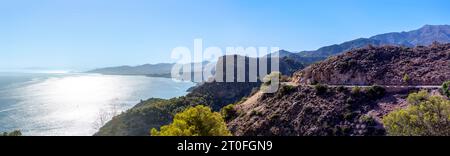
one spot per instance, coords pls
(406, 78)
(347, 65)
(274, 116)
(321, 89)
(416, 98)
(375, 92)
(356, 90)
(348, 115)
(446, 88)
(228, 112)
(195, 121)
(286, 89)
(341, 89)
(350, 100)
(13, 133)
(255, 113)
(368, 120)
(314, 82)
(428, 118)
(243, 99)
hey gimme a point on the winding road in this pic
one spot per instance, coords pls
(367, 86)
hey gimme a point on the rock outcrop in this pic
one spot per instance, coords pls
(302, 111)
(387, 65)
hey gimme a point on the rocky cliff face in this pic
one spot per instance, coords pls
(386, 65)
(302, 111)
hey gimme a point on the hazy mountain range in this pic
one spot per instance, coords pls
(314, 110)
(423, 36)
(154, 70)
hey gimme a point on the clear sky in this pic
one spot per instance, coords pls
(83, 34)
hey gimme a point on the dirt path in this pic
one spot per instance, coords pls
(250, 101)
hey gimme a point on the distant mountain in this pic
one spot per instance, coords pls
(423, 36)
(306, 60)
(304, 110)
(146, 69)
(156, 70)
(289, 63)
(282, 53)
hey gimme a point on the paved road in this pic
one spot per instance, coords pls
(366, 86)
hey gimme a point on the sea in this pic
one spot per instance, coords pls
(74, 104)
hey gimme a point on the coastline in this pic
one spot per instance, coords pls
(54, 99)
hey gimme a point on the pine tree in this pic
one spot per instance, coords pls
(195, 121)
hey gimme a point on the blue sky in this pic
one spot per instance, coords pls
(83, 34)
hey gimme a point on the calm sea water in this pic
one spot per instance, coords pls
(74, 104)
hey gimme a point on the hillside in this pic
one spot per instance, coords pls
(386, 65)
(302, 111)
(154, 113)
(423, 36)
(305, 110)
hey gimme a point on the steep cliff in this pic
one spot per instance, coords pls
(386, 65)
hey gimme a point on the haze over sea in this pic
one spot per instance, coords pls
(74, 104)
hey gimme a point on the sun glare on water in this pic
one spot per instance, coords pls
(76, 100)
(73, 104)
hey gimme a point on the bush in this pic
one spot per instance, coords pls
(446, 88)
(228, 112)
(416, 98)
(314, 82)
(13, 133)
(376, 92)
(272, 76)
(321, 89)
(195, 121)
(284, 90)
(347, 65)
(406, 78)
(356, 90)
(429, 118)
(255, 113)
(341, 89)
(348, 115)
(368, 120)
